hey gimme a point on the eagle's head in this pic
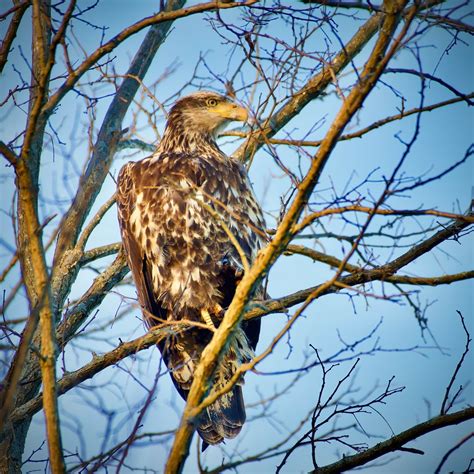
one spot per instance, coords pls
(204, 113)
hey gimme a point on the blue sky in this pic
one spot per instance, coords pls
(444, 138)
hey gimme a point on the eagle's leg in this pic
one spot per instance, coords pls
(217, 310)
(208, 320)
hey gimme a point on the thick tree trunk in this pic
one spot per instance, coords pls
(28, 373)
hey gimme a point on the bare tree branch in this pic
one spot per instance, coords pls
(396, 442)
(210, 356)
(452, 450)
(447, 404)
(98, 363)
(381, 273)
(18, 11)
(348, 136)
(65, 298)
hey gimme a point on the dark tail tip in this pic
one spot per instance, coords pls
(223, 419)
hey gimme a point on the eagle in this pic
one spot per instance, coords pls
(190, 224)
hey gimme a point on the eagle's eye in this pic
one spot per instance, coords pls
(211, 102)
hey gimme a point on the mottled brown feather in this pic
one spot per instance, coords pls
(175, 209)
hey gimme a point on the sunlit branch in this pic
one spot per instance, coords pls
(100, 362)
(469, 219)
(378, 273)
(404, 279)
(313, 88)
(175, 11)
(348, 136)
(317, 84)
(11, 157)
(99, 252)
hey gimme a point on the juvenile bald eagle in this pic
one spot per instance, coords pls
(187, 215)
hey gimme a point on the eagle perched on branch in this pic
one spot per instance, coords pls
(190, 225)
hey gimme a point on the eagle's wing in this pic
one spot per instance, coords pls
(247, 224)
(138, 261)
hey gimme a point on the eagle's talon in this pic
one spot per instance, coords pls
(208, 320)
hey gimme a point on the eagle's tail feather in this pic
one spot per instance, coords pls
(223, 419)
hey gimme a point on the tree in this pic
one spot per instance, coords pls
(354, 174)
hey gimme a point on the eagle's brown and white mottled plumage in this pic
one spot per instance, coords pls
(179, 211)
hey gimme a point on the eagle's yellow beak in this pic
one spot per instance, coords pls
(231, 111)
